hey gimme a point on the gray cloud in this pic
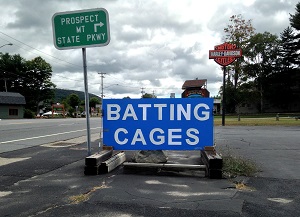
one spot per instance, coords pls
(156, 45)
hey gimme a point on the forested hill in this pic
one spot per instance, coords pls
(61, 94)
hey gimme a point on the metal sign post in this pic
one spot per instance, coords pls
(87, 112)
(223, 97)
(81, 29)
(225, 54)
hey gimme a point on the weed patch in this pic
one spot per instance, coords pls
(237, 166)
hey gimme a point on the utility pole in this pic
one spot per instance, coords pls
(4, 79)
(101, 120)
(142, 88)
(102, 76)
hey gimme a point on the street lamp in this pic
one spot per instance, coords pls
(10, 44)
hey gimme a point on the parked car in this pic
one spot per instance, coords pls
(47, 114)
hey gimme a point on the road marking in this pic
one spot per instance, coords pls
(5, 193)
(280, 200)
(18, 123)
(5, 161)
(66, 124)
(38, 137)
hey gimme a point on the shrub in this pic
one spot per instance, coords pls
(28, 114)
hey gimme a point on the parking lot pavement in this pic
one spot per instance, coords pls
(57, 186)
(275, 149)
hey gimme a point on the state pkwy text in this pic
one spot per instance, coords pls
(76, 39)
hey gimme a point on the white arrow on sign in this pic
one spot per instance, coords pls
(98, 24)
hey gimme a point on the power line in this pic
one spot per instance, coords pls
(37, 50)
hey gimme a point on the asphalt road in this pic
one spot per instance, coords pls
(24, 133)
(48, 180)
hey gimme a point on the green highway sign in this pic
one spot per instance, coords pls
(80, 29)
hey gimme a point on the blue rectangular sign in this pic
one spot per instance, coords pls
(158, 124)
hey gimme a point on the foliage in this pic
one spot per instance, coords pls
(269, 70)
(73, 100)
(28, 114)
(284, 82)
(148, 95)
(38, 85)
(262, 53)
(62, 94)
(238, 32)
(30, 78)
(94, 101)
(295, 19)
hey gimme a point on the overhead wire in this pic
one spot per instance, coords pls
(137, 85)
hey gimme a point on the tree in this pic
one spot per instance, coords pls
(262, 53)
(12, 70)
(30, 78)
(295, 20)
(238, 32)
(38, 86)
(284, 85)
(148, 95)
(73, 100)
(94, 101)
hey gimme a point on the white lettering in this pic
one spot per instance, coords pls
(186, 113)
(205, 113)
(200, 112)
(68, 40)
(129, 112)
(113, 115)
(157, 137)
(160, 106)
(79, 19)
(144, 106)
(138, 137)
(172, 112)
(80, 29)
(95, 37)
(171, 136)
(116, 136)
(161, 138)
(190, 134)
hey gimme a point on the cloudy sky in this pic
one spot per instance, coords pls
(155, 45)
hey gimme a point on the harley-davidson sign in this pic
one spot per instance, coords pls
(225, 54)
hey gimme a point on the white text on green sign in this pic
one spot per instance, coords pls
(84, 28)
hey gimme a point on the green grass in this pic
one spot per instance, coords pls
(257, 121)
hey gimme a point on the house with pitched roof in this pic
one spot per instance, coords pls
(198, 88)
(195, 88)
(11, 105)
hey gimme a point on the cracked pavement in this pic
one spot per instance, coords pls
(50, 181)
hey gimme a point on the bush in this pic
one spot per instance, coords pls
(28, 114)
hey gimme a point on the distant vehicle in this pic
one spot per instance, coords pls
(47, 114)
(83, 114)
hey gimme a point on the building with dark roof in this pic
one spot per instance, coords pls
(194, 88)
(11, 105)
